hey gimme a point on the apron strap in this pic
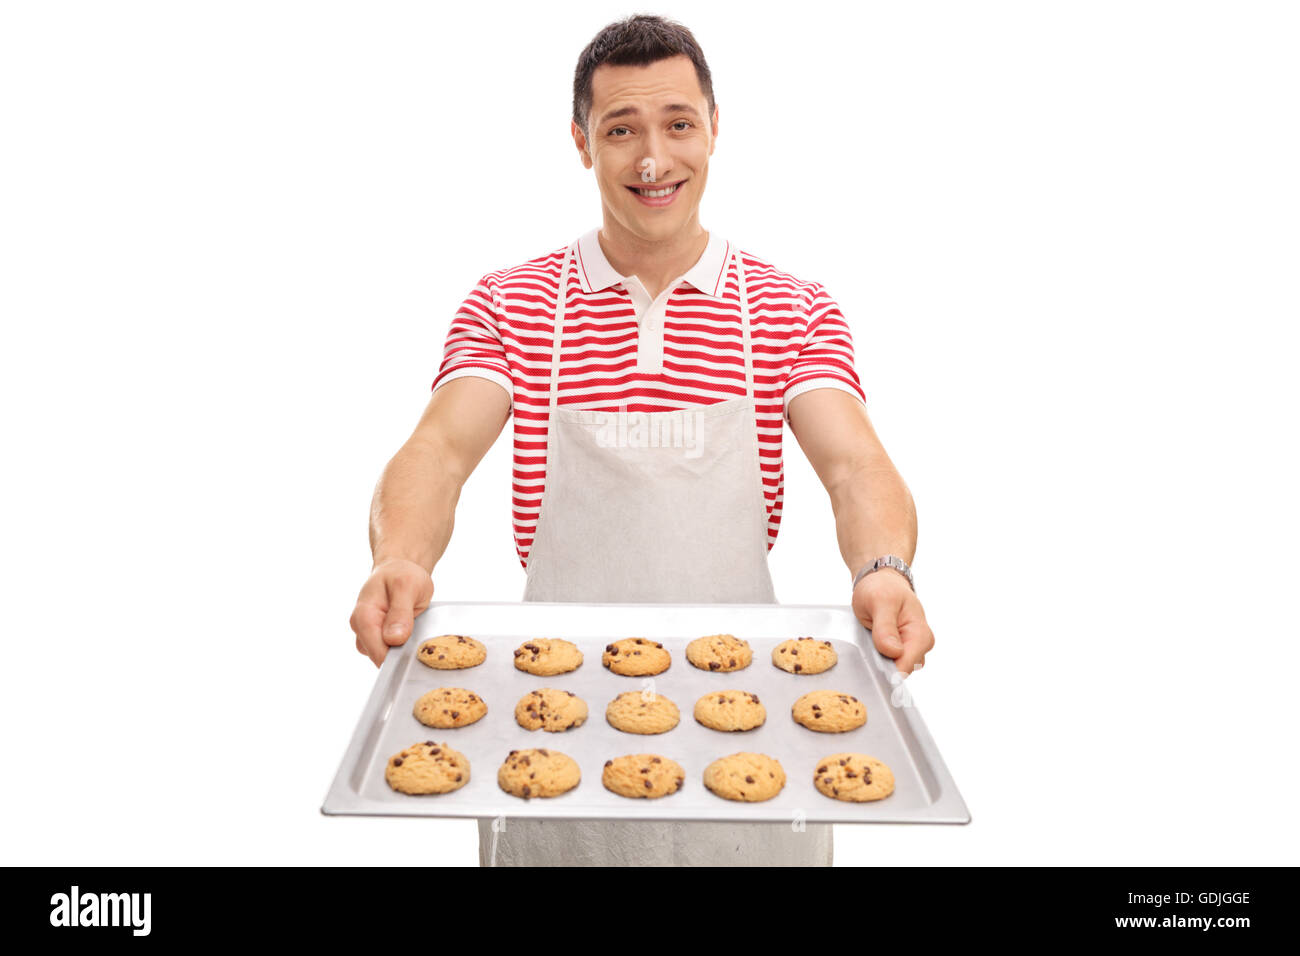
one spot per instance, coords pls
(744, 327)
(560, 296)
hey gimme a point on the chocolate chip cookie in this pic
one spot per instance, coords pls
(745, 776)
(636, 657)
(449, 652)
(730, 710)
(856, 778)
(642, 712)
(643, 775)
(719, 652)
(427, 768)
(548, 656)
(447, 707)
(829, 711)
(538, 773)
(804, 655)
(550, 709)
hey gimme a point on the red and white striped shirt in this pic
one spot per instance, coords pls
(621, 352)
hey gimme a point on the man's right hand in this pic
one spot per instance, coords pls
(396, 592)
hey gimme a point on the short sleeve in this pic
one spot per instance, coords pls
(474, 345)
(825, 359)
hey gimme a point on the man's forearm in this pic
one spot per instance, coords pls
(414, 507)
(874, 516)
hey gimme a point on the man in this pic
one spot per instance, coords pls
(646, 318)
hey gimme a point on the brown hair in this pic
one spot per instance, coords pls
(636, 41)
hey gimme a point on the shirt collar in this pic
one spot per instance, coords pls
(706, 275)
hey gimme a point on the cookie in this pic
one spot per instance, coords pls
(427, 768)
(446, 707)
(548, 656)
(551, 709)
(745, 776)
(643, 775)
(719, 652)
(829, 711)
(449, 652)
(636, 657)
(730, 710)
(642, 712)
(538, 773)
(804, 655)
(854, 777)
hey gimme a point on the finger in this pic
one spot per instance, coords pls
(918, 640)
(400, 619)
(884, 630)
(368, 622)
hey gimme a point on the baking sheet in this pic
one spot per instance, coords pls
(894, 732)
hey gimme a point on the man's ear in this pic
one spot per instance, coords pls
(580, 140)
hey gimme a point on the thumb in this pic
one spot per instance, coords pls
(884, 631)
(400, 618)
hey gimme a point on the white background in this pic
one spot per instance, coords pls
(1065, 235)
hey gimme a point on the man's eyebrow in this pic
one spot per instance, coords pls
(634, 111)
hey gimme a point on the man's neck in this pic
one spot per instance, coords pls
(655, 263)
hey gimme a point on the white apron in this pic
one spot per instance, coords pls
(625, 520)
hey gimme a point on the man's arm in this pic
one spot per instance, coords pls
(874, 516)
(414, 508)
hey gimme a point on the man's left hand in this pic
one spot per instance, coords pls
(887, 606)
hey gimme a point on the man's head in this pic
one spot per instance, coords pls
(644, 117)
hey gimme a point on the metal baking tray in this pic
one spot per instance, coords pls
(894, 732)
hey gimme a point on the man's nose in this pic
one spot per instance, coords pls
(658, 161)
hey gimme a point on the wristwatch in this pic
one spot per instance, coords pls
(888, 561)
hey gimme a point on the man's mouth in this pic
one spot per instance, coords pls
(657, 192)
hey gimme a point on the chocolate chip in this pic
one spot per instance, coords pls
(609, 763)
(749, 779)
(397, 761)
(798, 668)
(714, 665)
(648, 785)
(527, 790)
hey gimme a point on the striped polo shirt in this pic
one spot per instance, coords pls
(623, 352)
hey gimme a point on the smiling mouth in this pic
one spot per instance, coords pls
(657, 192)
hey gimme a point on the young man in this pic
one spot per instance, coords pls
(647, 322)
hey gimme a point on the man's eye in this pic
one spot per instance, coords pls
(617, 129)
(682, 123)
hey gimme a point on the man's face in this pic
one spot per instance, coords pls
(649, 130)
